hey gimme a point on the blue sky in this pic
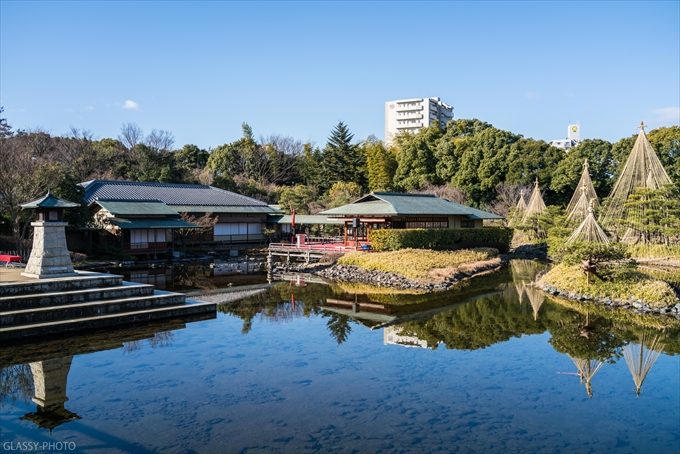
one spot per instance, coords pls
(200, 69)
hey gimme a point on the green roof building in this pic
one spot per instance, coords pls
(380, 210)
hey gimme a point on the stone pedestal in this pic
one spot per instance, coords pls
(49, 256)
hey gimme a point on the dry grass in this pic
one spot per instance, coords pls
(625, 284)
(648, 251)
(421, 264)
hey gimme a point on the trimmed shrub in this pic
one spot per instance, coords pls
(441, 239)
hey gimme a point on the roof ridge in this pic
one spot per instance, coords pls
(403, 194)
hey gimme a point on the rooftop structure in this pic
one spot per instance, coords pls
(411, 115)
(572, 140)
(395, 204)
(149, 214)
(192, 198)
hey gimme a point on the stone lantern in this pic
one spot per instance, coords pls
(49, 256)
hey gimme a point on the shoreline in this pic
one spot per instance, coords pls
(356, 275)
(634, 306)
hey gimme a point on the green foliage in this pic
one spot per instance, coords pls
(600, 342)
(474, 325)
(417, 263)
(342, 160)
(381, 165)
(441, 239)
(579, 251)
(416, 161)
(342, 193)
(666, 143)
(600, 164)
(310, 165)
(189, 159)
(297, 197)
(538, 226)
(625, 283)
(655, 214)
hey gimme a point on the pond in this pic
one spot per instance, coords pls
(304, 367)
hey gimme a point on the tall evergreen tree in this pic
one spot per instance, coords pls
(381, 164)
(342, 160)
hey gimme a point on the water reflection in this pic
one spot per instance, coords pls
(39, 370)
(496, 309)
(199, 275)
(49, 382)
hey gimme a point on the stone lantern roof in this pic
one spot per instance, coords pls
(49, 201)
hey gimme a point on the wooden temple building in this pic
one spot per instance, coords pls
(391, 210)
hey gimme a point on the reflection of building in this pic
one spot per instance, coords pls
(392, 336)
(411, 115)
(49, 382)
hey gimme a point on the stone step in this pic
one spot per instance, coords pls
(88, 309)
(82, 280)
(104, 321)
(19, 302)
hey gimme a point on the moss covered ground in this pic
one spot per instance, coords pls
(422, 264)
(622, 284)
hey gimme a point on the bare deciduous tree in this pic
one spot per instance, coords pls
(447, 192)
(507, 196)
(130, 135)
(160, 140)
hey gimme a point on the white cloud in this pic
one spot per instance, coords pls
(666, 116)
(130, 105)
(89, 108)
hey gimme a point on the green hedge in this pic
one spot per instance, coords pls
(442, 239)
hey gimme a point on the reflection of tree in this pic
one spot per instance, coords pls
(16, 382)
(159, 339)
(339, 326)
(590, 337)
(474, 325)
(590, 342)
(280, 302)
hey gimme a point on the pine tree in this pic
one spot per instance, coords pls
(342, 161)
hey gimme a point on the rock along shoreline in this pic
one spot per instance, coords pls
(636, 306)
(356, 275)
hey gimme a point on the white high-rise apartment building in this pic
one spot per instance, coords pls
(410, 115)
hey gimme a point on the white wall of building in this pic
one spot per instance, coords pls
(411, 115)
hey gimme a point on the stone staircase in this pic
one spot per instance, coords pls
(86, 302)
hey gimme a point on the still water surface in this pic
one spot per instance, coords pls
(492, 368)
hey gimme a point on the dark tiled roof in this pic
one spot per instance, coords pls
(49, 201)
(196, 195)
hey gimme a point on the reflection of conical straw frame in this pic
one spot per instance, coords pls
(536, 298)
(641, 357)
(587, 368)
